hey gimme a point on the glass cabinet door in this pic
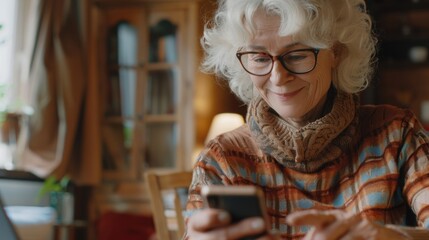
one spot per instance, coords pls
(121, 83)
(142, 91)
(163, 90)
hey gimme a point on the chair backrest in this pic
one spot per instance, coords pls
(160, 184)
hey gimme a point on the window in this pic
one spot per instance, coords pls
(8, 17)
(8, 20)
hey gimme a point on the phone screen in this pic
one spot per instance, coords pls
(239, 207)
(240, 201)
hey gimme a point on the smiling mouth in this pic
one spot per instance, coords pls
(289, 95)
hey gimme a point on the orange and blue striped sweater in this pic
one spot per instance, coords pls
(376, 164)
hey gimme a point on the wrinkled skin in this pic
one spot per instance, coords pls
(336, 224)
(208, 224)
(215, 224)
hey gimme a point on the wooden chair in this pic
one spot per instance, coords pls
(158, 185)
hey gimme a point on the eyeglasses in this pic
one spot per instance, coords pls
(261, 63)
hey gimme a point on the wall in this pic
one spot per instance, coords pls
(212, 95)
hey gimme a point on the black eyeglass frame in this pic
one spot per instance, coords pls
(315, 51)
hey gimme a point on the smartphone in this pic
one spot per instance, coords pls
(241, 201)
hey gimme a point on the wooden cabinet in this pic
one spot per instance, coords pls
(403, 68)
(143, 63)
(401, 26)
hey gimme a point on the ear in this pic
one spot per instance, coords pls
(338, 51)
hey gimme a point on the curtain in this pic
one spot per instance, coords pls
(60, 137)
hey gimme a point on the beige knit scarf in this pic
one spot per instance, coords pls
(310, 147)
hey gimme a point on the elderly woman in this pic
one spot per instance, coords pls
(330, 168)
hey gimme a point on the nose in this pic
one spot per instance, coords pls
(279, 74)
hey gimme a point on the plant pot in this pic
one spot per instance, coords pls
(63, 203)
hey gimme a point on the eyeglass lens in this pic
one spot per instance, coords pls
(261, 63)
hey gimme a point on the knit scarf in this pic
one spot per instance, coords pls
(308, 148)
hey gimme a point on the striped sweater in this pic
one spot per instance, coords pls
(370, 160)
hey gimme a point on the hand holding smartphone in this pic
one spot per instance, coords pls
(241, 201)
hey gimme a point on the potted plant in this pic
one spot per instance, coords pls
(60, 197)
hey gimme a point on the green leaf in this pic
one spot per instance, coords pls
(64, 182)
(51, 184)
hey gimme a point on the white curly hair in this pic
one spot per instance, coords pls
(316, 23)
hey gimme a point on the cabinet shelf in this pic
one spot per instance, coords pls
(399, 39)
(398, 6)
(149, 118)
(119, 119)
(405, 65)
(160, 66)
(117, 67)
(150, 66)
(164, 118)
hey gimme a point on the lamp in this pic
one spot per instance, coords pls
(222, 123)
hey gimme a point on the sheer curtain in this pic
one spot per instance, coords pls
(64, 123)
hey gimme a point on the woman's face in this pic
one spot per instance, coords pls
(292, 96)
